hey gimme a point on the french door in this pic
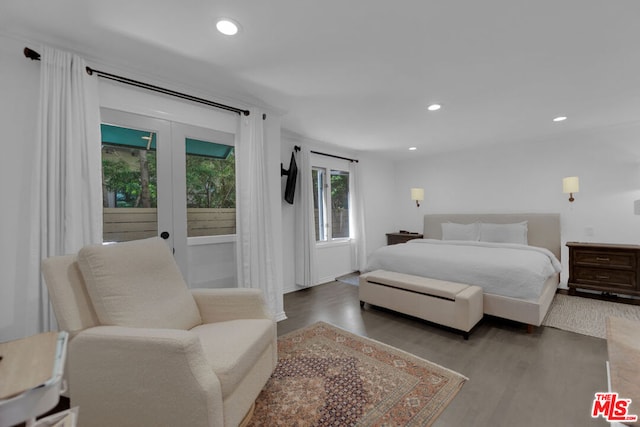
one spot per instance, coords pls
(167, 179)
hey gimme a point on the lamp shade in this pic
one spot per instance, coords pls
(417, 194)
(570, 184)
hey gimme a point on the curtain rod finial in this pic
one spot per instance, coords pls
(31, 54)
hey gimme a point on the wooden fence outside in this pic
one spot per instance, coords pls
(211, 221)
(339, 222)
(124, 224)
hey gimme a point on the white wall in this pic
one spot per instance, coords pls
(527, 177)
(334, 260)
(380, 188)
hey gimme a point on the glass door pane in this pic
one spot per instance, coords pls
(129, 183)
(136, 177)
(209, 169)
(211, 188)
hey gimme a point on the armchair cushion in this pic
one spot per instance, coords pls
(137, 284)
(222, 304)
(132, 377)
(233, 347)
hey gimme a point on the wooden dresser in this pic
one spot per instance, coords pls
(608, 268)
(395, 238)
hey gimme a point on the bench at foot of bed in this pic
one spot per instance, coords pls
(450, 304)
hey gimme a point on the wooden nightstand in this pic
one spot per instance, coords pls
(395, 238)
(608, 268)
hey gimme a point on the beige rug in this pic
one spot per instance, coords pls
(329, 377)
(586, 315)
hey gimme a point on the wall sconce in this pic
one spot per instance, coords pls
(570, 185)
(417, 194)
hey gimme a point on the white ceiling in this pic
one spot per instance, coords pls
(360, 73)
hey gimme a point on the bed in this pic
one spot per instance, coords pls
(525, 300)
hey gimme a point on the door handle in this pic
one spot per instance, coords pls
(164, 235)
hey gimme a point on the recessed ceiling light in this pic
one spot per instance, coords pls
(413, 148)
(560, 119)
(434, 107)
(227, 27)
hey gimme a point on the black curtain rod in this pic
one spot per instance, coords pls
(334, 156)
(297, 148)
(31, 54)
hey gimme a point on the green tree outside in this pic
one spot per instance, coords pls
(211, 183)
(130, 176)
(122, 179)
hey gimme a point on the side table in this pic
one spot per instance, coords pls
(31, 377)
(403, 237)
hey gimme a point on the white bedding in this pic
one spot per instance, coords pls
(511, 270)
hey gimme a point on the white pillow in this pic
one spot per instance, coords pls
(504, 233)
(137, 284)
(453, 231)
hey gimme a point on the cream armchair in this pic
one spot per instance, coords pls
(146, 351)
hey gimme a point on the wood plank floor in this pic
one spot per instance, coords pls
(547, 378)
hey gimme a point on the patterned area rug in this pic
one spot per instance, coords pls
(329, 377)
(586, 316)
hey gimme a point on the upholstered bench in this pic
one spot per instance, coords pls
(450, 304)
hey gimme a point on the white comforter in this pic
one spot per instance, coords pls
(512, 270)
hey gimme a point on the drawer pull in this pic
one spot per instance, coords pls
(602, 277)
(602, 259)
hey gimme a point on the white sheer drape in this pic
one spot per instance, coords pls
(255, 255)
(305, 237)
(356, 220)
(66, 194)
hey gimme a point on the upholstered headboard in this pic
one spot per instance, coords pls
(543, 228)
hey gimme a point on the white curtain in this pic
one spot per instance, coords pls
(356, 219)
(255, 255)
(66, 188)
(305, 237)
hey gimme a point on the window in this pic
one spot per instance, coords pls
(211, 188)
(129, 183)
(331, 203)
